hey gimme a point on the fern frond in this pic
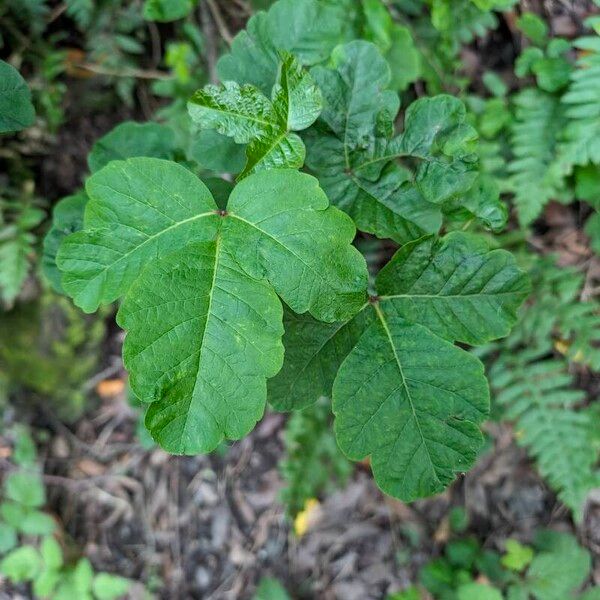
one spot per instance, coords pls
(538, 395)
(582, 101)
(536, 177)
(313, 464)
(80, 11)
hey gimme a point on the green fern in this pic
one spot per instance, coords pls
(538, 394)
(313, 464)
(582, 101)
(536, 177)
(80, 11)
(532, 383)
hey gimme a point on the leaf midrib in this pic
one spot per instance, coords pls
(202, 346)
(388, 334)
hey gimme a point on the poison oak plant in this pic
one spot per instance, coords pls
(232, 296)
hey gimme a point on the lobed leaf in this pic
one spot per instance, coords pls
(202, 339)
(139, 210)
(411, 401)
(201, 310)
(283, 228)
(354, 156)
(456, 287)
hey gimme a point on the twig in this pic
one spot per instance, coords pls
(211, 46)
(135, 73)
(220, 22)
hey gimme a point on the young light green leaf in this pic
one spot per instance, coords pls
(240, 112)
(36, 522)
(296, 98)
(455, 286)
(243, 113)
(559, 568)
(139, 209)
(202, 339)
(22, 564)
(16, 109)
(25, 488)
(411, 401)
(8, 538)
(129, 140)
(314, 352)
(110, 587)
(67, 217)
(302, 246)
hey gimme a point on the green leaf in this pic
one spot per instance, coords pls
(22, 564)
(354, 155)
(67, 218)
(412, 402)
(36, 522)
(351, 157)
(204, 358)
(110, 587)
(303, 246)
(404, 59)
(82, 576)
(167, 10)
(270, 589)
(8, 538)
(45, 583)
(455, 286)
(581, 143)
(305, 28)
(534, 27)
(129, 140)
(13, 513)
(559, 569)
(16, 109)
(25, 488)
(395, 42)
(535, 176)
(246, 115)
(314, 352)
(517, 556)
(24, 452)
(143, 208)
(478, 591)
(138, 210)
(204, 322)
(217, 152)
(51, 553)
(15, 251)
